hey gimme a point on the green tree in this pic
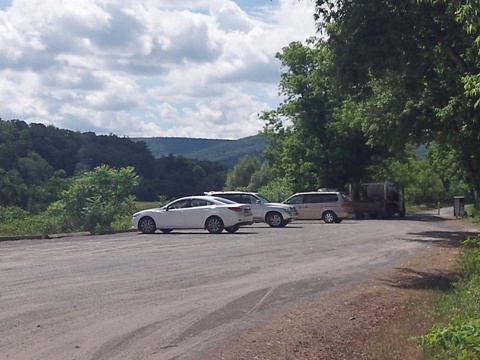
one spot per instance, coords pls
(34, 169)
(13, 191)
(421, 181)
(308, 144)
(239, 177)
(96, 199)
(466, 14)
(401, 67)
(261, 177)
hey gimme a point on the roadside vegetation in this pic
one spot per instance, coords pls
(457, 335)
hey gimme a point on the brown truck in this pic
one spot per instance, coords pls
(378, 200)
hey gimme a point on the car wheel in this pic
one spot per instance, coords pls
(147, 225)
(166, 231)
(232, 229)
(214, 225)
(275, 219)
(329, 217)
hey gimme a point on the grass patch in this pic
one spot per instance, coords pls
(143, 205)
(458, 335)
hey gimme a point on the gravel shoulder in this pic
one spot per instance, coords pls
(374, 319)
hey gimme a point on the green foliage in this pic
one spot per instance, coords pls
(422, 182)
(15, 221)
(36, 161)
(460, 337)
(178, 176)
(308, 142)
(96, 200)
(13, 190)
(261, 177)
(474, 214)
(466, 14)
(277, 190)
(457, 340)
(406, 72)
(239, 177)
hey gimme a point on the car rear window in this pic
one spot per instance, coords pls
(329, 198)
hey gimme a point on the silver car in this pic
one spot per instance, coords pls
(263, 210)
(329, 206)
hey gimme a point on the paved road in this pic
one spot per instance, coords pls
(132, 296)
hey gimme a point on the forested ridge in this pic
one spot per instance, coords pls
(36, 162)
(228, 152)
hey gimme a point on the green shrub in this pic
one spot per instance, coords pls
(95, 200)
(460, 338)
(18, 222)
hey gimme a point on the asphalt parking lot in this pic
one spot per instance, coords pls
(168, 296)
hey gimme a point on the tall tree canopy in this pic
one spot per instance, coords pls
(308, 144)
(383, 73)
(404, 64)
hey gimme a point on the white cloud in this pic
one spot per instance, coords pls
(199, 68)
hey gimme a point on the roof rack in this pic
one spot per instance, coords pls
(327, 189)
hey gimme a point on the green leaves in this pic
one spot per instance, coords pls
(458, 340)
(96, 199)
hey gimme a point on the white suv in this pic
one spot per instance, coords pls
(263, 210)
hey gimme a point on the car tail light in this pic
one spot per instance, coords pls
(347, 205)
(235, 208)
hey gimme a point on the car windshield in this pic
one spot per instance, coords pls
(263, 198)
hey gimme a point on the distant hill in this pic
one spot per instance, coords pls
(227, 152)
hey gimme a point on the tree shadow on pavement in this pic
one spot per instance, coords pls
(451, 239)
(406, 278)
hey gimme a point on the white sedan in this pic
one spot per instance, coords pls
(194, 212)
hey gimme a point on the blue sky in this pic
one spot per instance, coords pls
(189, 68)
(4, 4)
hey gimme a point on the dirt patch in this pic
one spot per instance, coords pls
(372, 320)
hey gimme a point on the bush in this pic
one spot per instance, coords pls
(460, 338)
(18, 222)
(96, 200)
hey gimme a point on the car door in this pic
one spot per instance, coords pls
(199, 212)
(258, 210)
(312, 207)
(178, 215)
(297, 202)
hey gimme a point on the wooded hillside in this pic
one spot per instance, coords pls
(37, 161)
(227, 152)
